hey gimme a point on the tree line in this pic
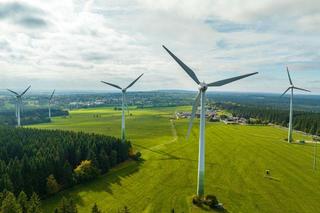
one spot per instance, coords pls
(30, 116)
(308, 122)
(46, 161)
(9, 203)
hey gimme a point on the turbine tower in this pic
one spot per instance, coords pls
(201, 99)
(291, 88)
(19, 103)
(124, 103)
(50, 101)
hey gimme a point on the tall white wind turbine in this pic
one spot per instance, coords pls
(50, 102)
(201, 99)
(291, 88)
(19, 103)
(124, 103)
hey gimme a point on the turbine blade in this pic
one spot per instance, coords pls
(285, 92)
(13, 92)
(289, 76)
(113, 85)
(185, 67)
(133, 82)
(52, 95)
(24, 92)
(194, 109)
(301, 89)
(229, 80)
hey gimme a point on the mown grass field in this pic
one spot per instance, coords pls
(236, 160)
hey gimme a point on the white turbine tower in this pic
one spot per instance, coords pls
(124, 103)
(291, 87)
(19, 103)
(50, 101)
(201, 98)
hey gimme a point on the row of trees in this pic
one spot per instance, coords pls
(9, 203)
(29, 116)
(46, 161)
(308, 122)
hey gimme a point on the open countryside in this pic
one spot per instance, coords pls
(237, 157)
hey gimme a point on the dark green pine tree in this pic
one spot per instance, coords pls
(34, 204)
(10, 204)
(67, 206)
(23, 201)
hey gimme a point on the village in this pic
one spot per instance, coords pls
(214, 115)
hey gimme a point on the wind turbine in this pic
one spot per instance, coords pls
(124, 103)
(291, 88)
(50, 101)
(19, 103)
(201, 99)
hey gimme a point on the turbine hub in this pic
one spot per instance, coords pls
(203, 86)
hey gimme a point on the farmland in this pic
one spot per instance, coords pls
(236, 159)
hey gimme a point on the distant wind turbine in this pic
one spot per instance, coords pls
(291, 87)
(124, 103)
(19, 103)
(201, 99)
(50, 102)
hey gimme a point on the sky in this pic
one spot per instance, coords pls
(73, 45)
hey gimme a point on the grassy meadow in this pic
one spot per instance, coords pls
(236, 159)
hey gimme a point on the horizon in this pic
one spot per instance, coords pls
(112, 91)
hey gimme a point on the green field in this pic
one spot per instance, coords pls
(236, 160)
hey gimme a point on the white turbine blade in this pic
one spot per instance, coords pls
(113, 85)
(52, 95)
(301, 89)
(285, 92)
(24, 92)
(13, 92)
(229, 80)
(185, 67)
(194, 109)
(133, 82)
(289, 76)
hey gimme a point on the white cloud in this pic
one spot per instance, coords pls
(82, 42)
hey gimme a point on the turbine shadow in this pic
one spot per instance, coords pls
(171, 156)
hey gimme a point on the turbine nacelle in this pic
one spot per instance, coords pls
(200, 98)
(203, 86)
(124, 102)
(291, 85)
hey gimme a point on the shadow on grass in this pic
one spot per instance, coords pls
(170, 156)
(102, 183)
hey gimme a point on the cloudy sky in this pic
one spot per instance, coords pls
(72, 45)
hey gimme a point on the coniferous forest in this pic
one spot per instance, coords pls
(305, 121)
(30, 116)
(46, 161)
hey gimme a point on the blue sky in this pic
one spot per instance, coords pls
(72, 45)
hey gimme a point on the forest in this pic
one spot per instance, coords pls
(29, 116)
(47, 161)
(305, 121)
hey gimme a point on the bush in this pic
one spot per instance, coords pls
(52, 185)
(211, 201)
(196, 200)
(135, 156)
(86, 171)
